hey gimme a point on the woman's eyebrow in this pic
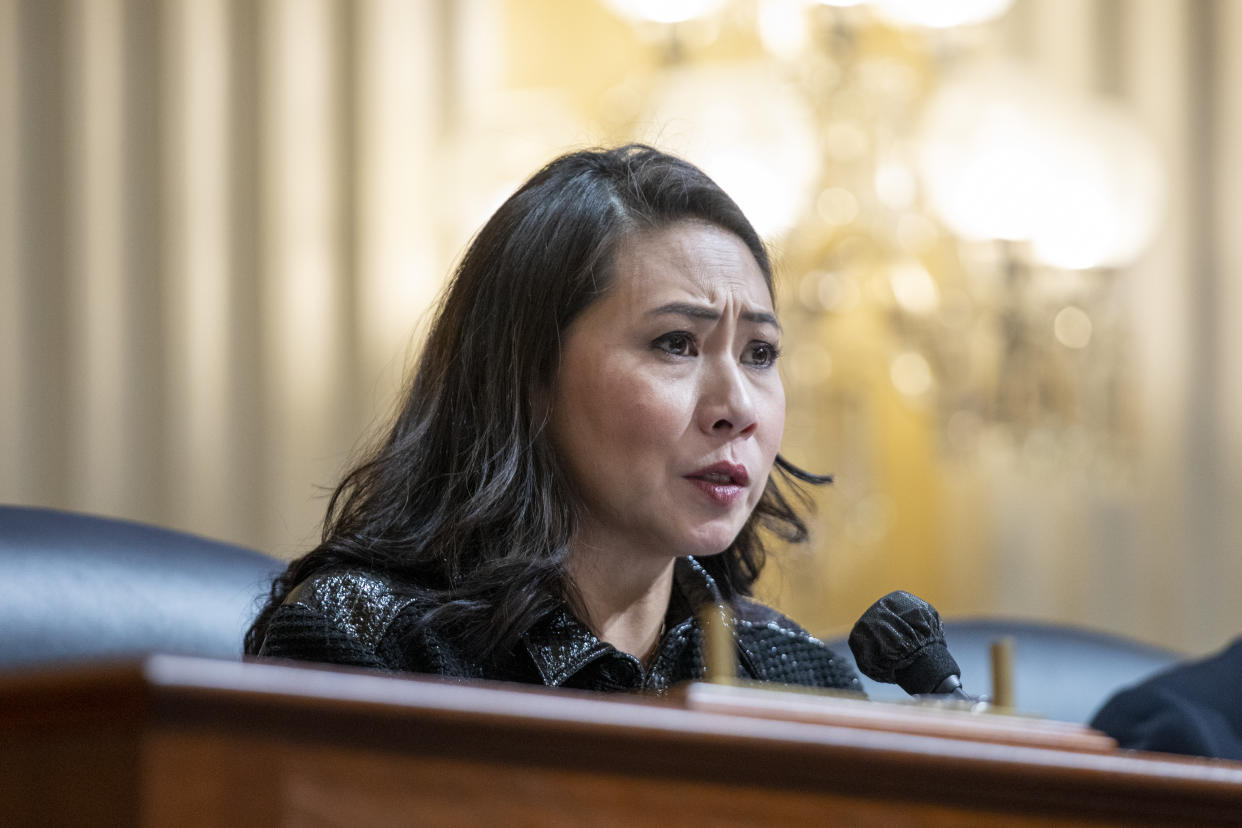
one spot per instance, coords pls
(693, 311)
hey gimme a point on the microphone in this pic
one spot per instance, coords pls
(900, 640)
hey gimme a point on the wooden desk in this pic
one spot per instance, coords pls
(180, 741)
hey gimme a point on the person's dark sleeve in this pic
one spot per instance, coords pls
(1194, 709)
(299, 632)
(777, 649)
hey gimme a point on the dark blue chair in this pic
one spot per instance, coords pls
(1060, 672)
(75, 587)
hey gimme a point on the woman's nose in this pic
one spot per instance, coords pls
(726, 407)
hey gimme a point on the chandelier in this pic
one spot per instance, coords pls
(944, 219)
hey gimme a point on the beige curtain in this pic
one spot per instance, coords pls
(218, 237)
(1160, 554)
(221, 222)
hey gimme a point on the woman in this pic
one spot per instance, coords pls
(582, 460)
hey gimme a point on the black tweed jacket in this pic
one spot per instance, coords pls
(360, 618)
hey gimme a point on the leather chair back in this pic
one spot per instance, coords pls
(76, 587)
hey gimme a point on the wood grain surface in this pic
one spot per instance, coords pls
(181, 741)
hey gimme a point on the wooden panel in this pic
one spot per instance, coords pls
(317, 784)
(192, 741)
(955, 720)
(69, 777)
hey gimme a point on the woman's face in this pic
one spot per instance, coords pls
(668, 409)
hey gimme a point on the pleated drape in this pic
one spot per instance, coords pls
(218, 239)
(222, 221)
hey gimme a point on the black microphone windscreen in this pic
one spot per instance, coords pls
(900, 640)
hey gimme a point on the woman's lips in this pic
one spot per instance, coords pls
(722, 482)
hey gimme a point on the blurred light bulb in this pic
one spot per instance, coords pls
(914, 288)
(808, 290)
(783, 27)
(664, 11)
(895, 186)
(837, 206)
(980, 152)
(1072, 327)
(748, 128)
(846, 140)
(1003, 155)
(910, 373)
(1114, 192)
(839, 293)
(941, 14)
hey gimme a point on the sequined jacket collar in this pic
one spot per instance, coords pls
(562, 647)
(357, 617)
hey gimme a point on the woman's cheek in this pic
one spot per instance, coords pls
(773, 415)
(645, 414)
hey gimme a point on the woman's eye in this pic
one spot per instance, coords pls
(677, 343)
(760, 354)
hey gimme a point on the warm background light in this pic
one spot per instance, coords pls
(665, 11)
(761, 150)
(1007, 156)
(1004, 236)
(941, 14)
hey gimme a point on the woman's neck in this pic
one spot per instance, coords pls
(622, 600)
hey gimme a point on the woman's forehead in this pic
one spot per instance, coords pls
(689, 259)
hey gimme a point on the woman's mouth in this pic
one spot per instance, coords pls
(722, 482)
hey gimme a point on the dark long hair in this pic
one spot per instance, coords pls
(464, 496)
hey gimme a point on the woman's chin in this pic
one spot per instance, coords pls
(710, 542)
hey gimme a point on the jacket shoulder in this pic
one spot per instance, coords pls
(780, 650)
(1190, 708)
(338, 616)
